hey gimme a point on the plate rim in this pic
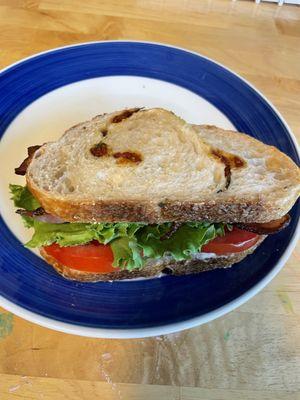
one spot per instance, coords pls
(119, 333)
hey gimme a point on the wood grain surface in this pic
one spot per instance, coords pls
(251, 353)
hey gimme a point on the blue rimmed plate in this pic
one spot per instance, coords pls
(46, 94)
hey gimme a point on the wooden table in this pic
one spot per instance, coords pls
(251, 353)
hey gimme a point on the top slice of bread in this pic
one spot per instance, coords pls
(176, 172)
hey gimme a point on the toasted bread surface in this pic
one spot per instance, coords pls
(151, 166)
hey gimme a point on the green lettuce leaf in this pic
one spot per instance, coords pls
(27, 221)
(72, 234)
(127, 253)
(185, 242)
(63, 234)
(22, 198)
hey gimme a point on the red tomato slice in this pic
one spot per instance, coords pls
(233, 241)
(91, 257)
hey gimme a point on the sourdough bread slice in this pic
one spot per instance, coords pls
(151, 166)
(165, 265)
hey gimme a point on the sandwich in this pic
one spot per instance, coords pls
(141, 192)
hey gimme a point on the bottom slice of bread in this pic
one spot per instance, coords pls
(199, 263)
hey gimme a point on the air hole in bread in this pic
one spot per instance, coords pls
(65, 187)
(167, 271)
(281, 177)
(38, 154)
(71, 189)
(59, 173)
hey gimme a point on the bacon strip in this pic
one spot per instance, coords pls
(173, 228)
(266, 228)
(124, 114)
(41, 215)
(21, 170)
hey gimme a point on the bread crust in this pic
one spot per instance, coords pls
(229, 210)
(154, 267)
(231, 206)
